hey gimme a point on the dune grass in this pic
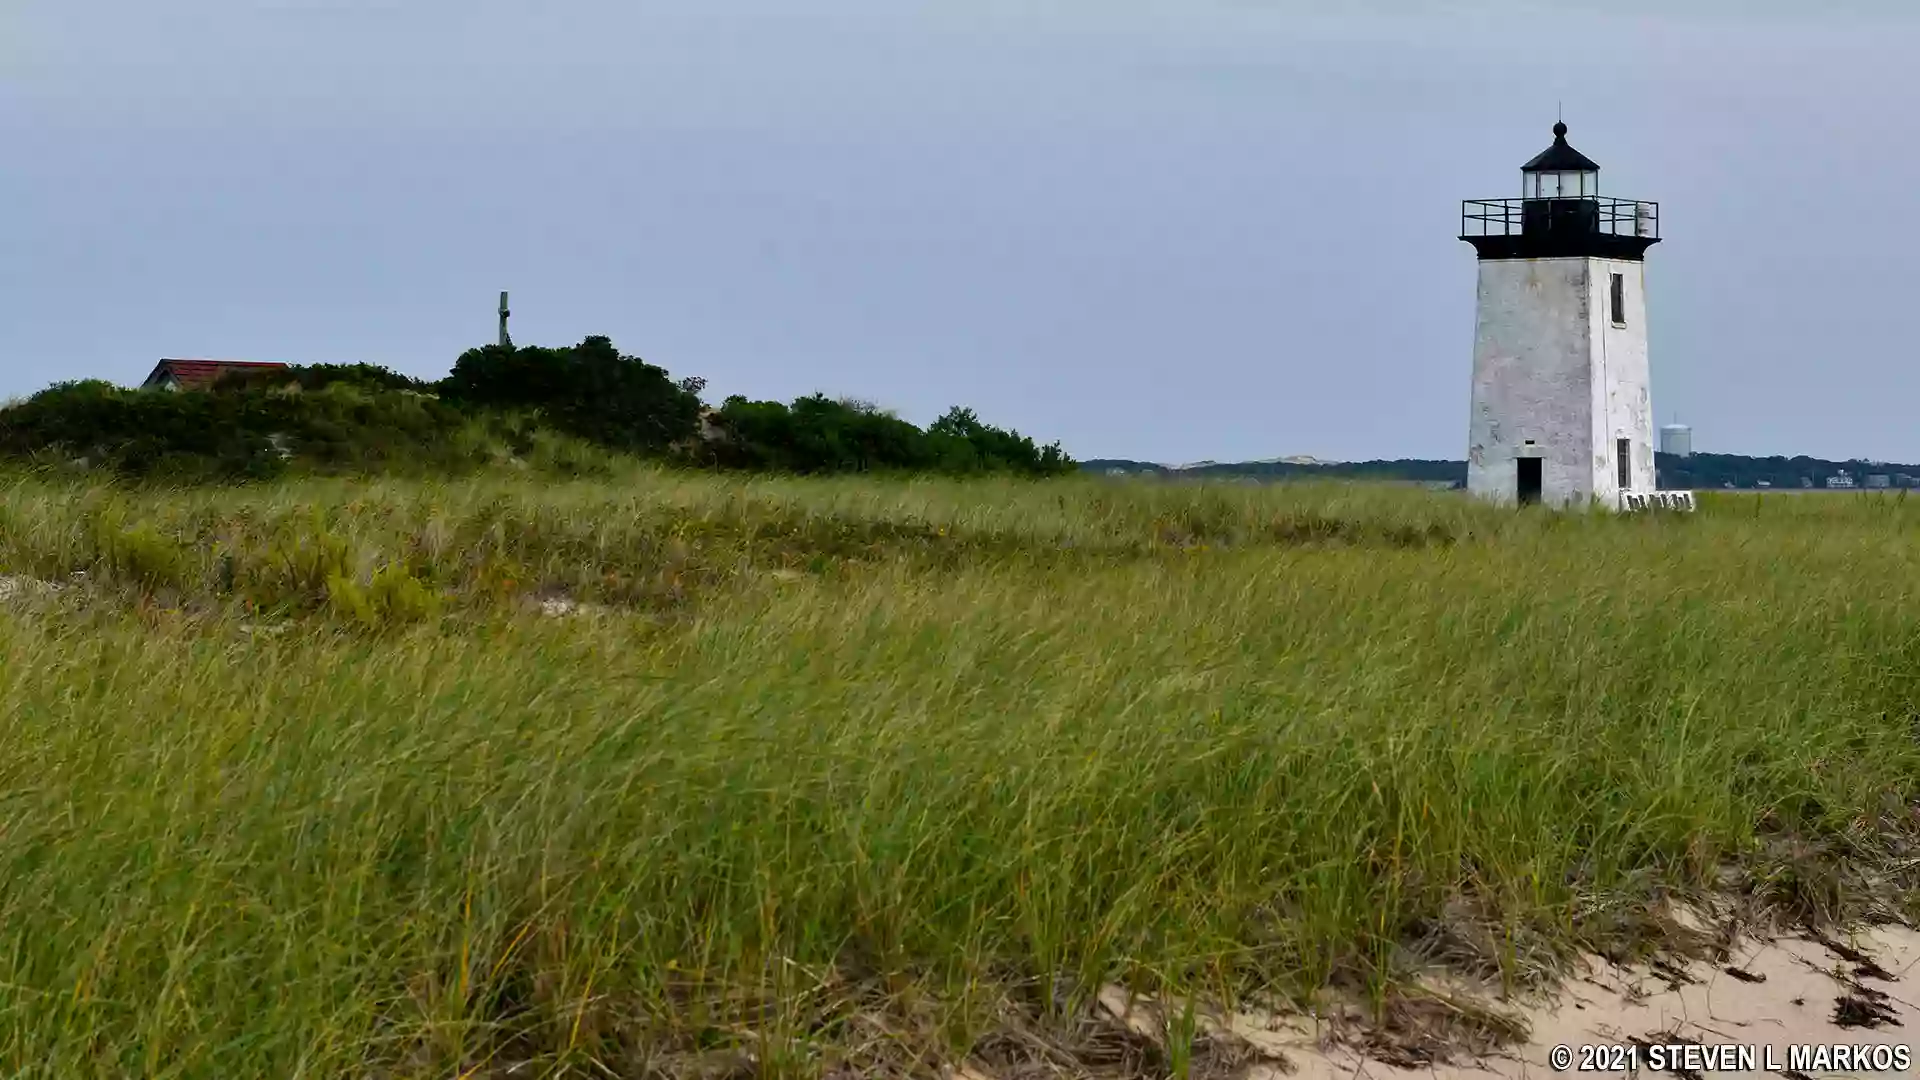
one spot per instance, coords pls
(837, 773)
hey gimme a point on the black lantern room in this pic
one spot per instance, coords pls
(1559, 171)
(1560, 213)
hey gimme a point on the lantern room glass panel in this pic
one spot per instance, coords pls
(1575, 184)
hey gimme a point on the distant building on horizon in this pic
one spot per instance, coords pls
(200, 374)
(1677, 440)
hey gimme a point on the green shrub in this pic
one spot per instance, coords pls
(141, 556)
(296, 570)
(965, 445)
(819, 435)
(321, 376)
(400, 597)
(238, 433)
(589, 390)
(392, 598)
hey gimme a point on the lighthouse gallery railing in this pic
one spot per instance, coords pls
(1587, 214)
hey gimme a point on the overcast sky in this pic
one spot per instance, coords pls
(1159, 229)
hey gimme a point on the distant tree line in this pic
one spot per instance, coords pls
(1413, 470)
(259, 422)
(1702, 471)
(1694, 472)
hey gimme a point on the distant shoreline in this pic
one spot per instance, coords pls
(1696, 472)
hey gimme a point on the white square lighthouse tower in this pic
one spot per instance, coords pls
(1562, 409)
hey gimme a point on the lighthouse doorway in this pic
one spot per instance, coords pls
(1529, 480)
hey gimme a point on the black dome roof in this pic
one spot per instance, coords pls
(1560, 157)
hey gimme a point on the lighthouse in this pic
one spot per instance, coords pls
(1562, 409)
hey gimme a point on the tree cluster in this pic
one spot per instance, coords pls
(590, 391)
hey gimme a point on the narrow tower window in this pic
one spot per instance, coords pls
(1619, 299)
(1623, 453)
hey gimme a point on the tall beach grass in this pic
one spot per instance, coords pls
(839, 775)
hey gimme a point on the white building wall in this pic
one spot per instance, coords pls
(1622, 394)
(1550, 365)
(1532, 378)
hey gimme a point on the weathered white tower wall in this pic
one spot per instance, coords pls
(1623, 398)
(1531, 379)
(1551, 365)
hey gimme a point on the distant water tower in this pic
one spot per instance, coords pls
(1562, 408)
(1677, 440)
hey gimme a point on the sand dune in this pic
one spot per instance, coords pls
(1766, 999)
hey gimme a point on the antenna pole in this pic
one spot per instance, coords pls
(505, 341)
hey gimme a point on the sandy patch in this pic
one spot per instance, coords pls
(15, 587)
(561, 606)
(1763, 1001)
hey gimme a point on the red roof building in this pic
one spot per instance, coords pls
(199, 374)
